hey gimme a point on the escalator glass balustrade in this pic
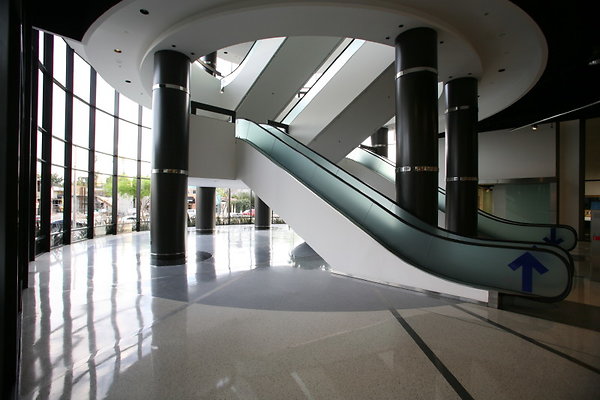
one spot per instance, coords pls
(537, 270)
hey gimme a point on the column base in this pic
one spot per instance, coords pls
(258, 228)
(167, 259)
(205, 231)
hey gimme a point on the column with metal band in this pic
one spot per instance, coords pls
(205, 209)
(417, 123)
(461, 156)
(262, 214)
(171, 114)
(379, 142)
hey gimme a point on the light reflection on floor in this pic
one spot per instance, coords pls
(248, 322)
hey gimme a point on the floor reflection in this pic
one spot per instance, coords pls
(92, 307)
(305, 257)
(251, 312)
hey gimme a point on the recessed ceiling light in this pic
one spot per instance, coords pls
(173, 45)
(502, 70)
(144, 11)
(127, 81)
(118, 51)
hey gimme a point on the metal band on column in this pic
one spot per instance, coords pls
(417, 123)
(171, 110)
(461, 156)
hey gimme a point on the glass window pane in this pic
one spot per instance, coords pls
(127, 167)
(128, 139)
(40, 139)
(145, 204)
(80, 158)
(79, 205)
(104, 163)
(105, 132)
(58, 111)
(81, 123)
(105, 96)
(242, 211)
(81, 78)
(146, 117)
(146, 169)
(56, 211)
(38, 188)
(222, 205)
(126, 204)
(128, 109)
(41, 46)
(102, 203)
(146, 145)
(60, 60)
(58, 152)
(40, 105)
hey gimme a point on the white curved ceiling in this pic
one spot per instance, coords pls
(492, 40)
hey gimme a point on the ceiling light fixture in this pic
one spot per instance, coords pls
(143, 11)
(118, 51)
(534, 127)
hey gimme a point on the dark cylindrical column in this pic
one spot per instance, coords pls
(461, 156)
(417, 123)
(379, 142)
(171, 112)
(262, 214)
(205, 209)
(211, 60)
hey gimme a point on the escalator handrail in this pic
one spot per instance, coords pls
(550, 249)
(484, 213)
(317, 159)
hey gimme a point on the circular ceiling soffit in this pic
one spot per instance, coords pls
(500, 45)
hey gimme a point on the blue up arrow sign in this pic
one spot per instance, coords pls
(553, 239)
(528, 262)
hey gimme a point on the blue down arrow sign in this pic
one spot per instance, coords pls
(528, 262)
(553, 239)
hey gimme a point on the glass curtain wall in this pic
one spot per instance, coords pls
(232, 207)
(93, 152)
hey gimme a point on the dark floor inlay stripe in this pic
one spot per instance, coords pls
(450, 378)
(531, 340)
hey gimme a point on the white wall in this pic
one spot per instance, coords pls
(354, 77)
(520, 154)
(212, 148)
(369, 111)
(570, 211)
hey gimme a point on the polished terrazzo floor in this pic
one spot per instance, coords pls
(249, 323)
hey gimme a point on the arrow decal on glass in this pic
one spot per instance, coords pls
(553, 239)
(528, 263)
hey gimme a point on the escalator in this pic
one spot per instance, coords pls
(489, 225)
(363, 233)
